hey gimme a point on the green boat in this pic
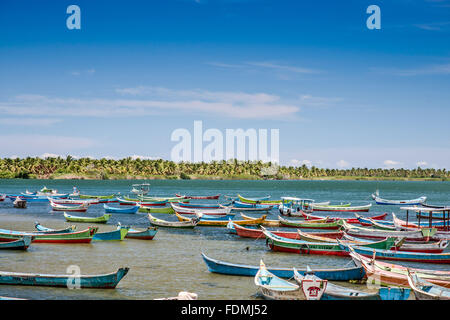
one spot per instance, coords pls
(277, 243)
(85, 196)
(309, 224)
(270, 202)
(168, 210)
(149, 199)
(331, 205)
(102, 219)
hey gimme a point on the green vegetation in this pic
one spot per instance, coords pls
(86, 168)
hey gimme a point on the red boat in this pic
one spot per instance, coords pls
(246, 232)
(201, 197)
(307, 216)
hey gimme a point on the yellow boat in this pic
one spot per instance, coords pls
(223, 223)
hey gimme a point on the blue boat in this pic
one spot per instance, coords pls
(341, 274)
(199, 205)
(103, 281)
(131, 210)
(209, 217)
(20, 244)
(43, 229)
(239, 204)
(116, 235)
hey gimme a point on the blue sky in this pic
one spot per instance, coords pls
(341, 95)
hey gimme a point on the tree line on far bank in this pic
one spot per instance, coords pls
(69, 167)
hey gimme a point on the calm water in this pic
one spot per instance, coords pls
(171, 262)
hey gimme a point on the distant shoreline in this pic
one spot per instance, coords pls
(212, 178)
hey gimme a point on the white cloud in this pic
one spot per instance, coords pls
(298, 163)
(134, 157)
(421, 163)
(343, 164)
(314, 101)
(282, 67)
(231, 104)
(391, 163)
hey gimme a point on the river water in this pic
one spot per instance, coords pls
(171, 262)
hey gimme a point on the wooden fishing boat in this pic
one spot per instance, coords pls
(441, 258)
(306, 236)
(153, 199)
(114, 235)
(243, 205)
(147, 234)
(99, 281)
(20, 244)
(382, 273)
(76, 201)
(201, 197)
(250, 209)
(155, 203)
(379, 200)
(131, 210)
(277, 243)
(43, 229)
(427, 247)
(410, 225)
(266, 223)
(223, 223)
(83, 236)
(330, 208)
(198, 205)
(85, 196)
(424, 290)
(191, 211)
(257, 233)
(102, 219)
(348, 273)
(422, 235)
(335, 292)
(314, 224)
(274, 288)
(308, 216)
(59, 207)
(262, 200)
(191, 223)
(168, 210)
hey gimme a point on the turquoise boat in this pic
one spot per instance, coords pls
(131, 210)
(20, 244)
(100, 281)
(115, 235)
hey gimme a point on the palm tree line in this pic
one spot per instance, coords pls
(129, 168)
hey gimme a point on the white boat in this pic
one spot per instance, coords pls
(199, 211)
(379, 200)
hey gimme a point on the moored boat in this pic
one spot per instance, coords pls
(382, 273)
(222, 223)
(424, 290)
(83, 236)
(342, 208)
(309, 224)
(347, 273)
(99, 281)
(192, 211)
(114, 235)
(43, 229)
(168, 210)
(59, 207)
(20, 244)
(147, 234)
(102, 219)
(215, 197)
(131, 210)
(379, 200)
(191, 223)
